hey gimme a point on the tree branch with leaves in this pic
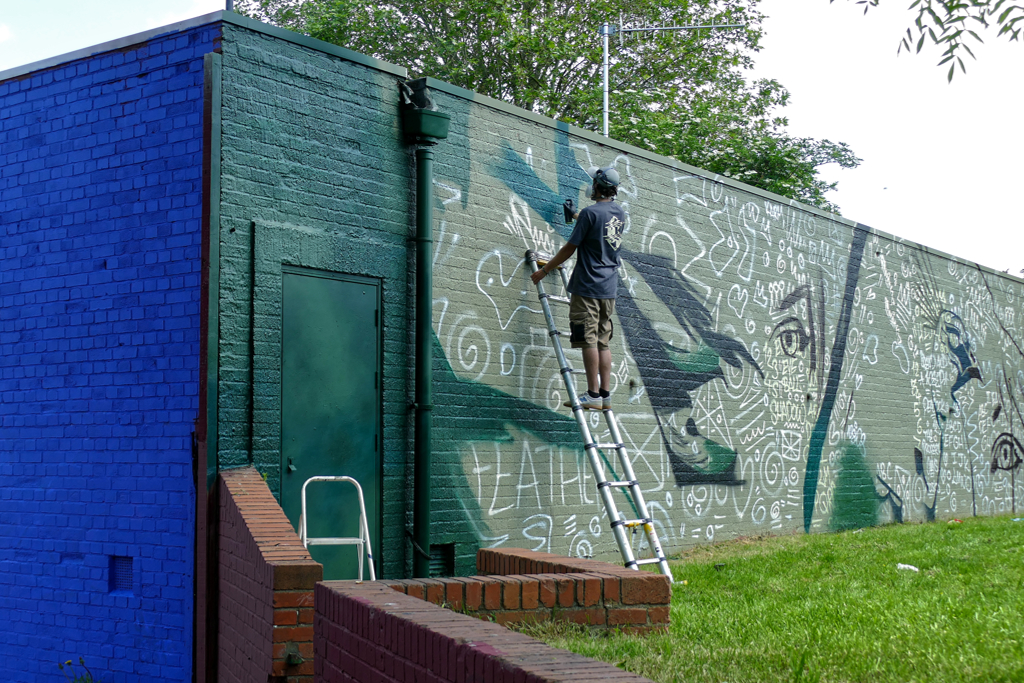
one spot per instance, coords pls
(681, 94)
(950, 24)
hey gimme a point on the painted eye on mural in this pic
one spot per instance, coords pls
(792, 336)
(674, 336)
(1006, 452)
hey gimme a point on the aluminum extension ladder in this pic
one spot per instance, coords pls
(619, 523)
(362, 541)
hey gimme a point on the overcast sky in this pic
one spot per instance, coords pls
(942, 163)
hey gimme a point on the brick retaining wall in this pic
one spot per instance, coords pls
(266, 587)
(518, 585)
(368, 632)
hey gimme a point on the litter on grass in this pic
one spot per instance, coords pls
(909, 567)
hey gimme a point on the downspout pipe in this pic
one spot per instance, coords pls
(423, 127)
(424, 366)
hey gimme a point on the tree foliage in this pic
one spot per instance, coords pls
(731, 130)
(679, 93)
(949, 24)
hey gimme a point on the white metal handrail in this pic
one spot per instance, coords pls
(363, 540)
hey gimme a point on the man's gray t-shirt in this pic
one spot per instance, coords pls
(597, 236)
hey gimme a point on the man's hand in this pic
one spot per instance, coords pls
(569, 209)
(567, 250)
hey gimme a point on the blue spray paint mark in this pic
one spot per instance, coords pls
(520, 177)
(959, 344)
(572, 178)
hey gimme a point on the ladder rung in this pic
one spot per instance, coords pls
(334, 541)
(572, 371)
(609, 445)
(630, 522)
(653, 560)
(558, 299)
(617, 484)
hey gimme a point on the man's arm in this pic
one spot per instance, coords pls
(563, 255)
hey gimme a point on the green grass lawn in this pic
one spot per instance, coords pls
(839, 602)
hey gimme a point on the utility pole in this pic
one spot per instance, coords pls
(608, 30)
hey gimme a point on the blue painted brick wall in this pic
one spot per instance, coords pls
(100, 208)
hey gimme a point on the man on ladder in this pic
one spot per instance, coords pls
(598, 236)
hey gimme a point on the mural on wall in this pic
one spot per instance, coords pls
(775, 370)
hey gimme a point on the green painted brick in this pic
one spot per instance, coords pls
(770, 296)
(307, 156)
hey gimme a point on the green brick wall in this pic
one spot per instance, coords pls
(314, 174)
(777, 369)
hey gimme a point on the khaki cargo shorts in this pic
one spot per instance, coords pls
(590, 322)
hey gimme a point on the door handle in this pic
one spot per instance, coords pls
(291, 466)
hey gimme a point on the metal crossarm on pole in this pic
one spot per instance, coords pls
(619, 524)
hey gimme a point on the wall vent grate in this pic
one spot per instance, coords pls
(121, 574)
(442, 559)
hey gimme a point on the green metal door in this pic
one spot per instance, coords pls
(330, 408)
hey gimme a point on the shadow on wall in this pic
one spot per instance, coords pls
(804, 357)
